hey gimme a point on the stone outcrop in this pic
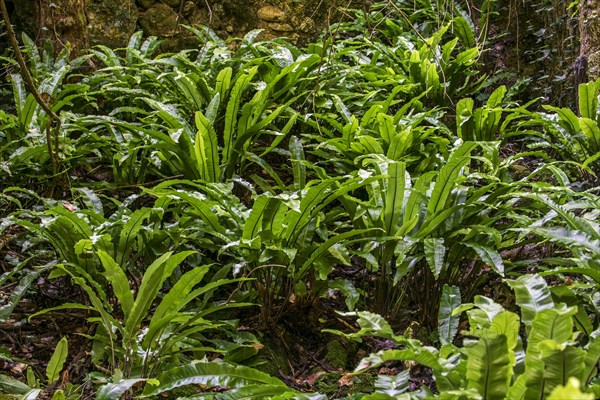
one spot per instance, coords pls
(589, 31)
(160, 20)
(112, 22)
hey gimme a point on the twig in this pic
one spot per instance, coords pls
(36, 94)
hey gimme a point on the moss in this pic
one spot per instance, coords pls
(328, 384)
(272, 359)
(159, 20)
(519, 171)
(337, 355)
(111, 22)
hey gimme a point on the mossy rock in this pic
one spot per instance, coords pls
(111, 22)
(160, 20)
(337, 354)
(272, 359)
(518, 171)
(328, 384)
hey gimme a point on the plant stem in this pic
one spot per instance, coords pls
(24, 71)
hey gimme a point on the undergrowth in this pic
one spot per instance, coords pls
(223, 217)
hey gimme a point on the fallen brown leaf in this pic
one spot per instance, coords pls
(312, 378)
(257, 346)
(346, 380)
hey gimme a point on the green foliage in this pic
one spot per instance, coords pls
(136, 353)
(281, 241)
(376, 168)
(76, 234)
(494, 363)
(57, 360)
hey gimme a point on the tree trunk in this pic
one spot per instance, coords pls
(62, 21)
(589, 37)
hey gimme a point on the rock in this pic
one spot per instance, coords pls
(146, 3)
(198, 16)
(189, 8)
(271, 14)
(278, 27)
(306, 25)
(111, 22)
(160, 20)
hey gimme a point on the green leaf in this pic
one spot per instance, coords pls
(393, 385)
(114, 391)
(591, 131)
(563, 294)
(319, 251)
(417, 195)
(203, 209)
(210, 374)
(276, 392)
(282, 134)
(592, 356)
(495, 99)
(12, 386)
(435, 252)
(212, 110)
(18, 292)
(168, 113)
(348, 289)
(189, 91)
(424, 356)
(394, 196)
(297, 159)
(387, 130)
(518, 389)
(176, 299)
(314, 196)
(129, 233)
(447, 178)
(562, 362)
(569, 238)
(117, 278)
(91, 200)
(508, 324)
(55, 365)
(532, 295)
(401, 143)
(464, 121)
(447, 322)
(223, 81)
(484, 314)
(464, 31)
(231, 114)
(570, 391)
(551, 324)
(489, 256)
(588, 100)
(108, 320)
(152, 282)
(206, 149)
(253, 223)
(488, 367)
